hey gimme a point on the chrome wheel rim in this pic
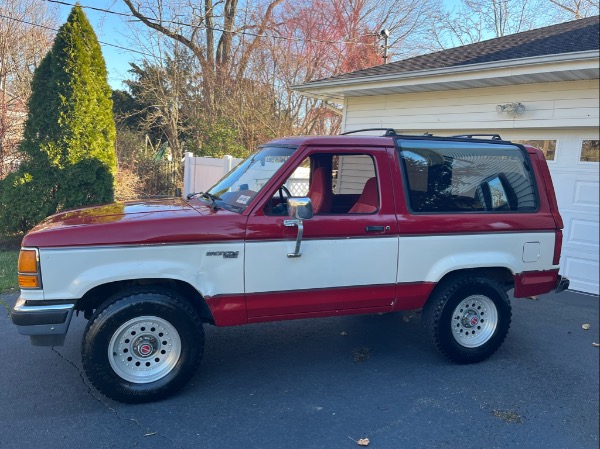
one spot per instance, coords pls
(144, 349)
(474, 321)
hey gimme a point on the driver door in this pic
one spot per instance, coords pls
(349, 249)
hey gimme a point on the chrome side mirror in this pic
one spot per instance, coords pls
(298, 209)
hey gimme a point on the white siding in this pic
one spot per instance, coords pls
(353, 173)
(560, 104)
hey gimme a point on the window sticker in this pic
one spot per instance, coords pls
(243, 199)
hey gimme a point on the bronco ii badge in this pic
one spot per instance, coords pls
(225, 254)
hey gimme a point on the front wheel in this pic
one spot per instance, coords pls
(468, 318)
(142, 346)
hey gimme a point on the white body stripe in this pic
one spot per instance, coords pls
(70, 272)
(324, 263)
(428, 258)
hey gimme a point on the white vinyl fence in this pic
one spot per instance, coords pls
(201, 173)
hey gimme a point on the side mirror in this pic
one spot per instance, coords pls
(300, 208)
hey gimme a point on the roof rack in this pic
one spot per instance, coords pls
(388, 131)
(471, 136)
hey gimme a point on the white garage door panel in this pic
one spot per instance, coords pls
(586, 194)
(582, 233)
(581, 272)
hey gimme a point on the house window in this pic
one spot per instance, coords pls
(590, 151)
(548, 147)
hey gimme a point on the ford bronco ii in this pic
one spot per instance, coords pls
(305, 227)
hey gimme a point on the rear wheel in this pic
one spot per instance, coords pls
(467, 318)
(142, 346)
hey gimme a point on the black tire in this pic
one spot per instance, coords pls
(465, 334)
(171, 346)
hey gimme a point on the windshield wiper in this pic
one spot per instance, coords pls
(209, 196)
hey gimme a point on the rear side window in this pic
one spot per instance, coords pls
(449, 177)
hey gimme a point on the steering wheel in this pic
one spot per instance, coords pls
(281, 190)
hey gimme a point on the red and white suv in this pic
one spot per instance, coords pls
(306, 227)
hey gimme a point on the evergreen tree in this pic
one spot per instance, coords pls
(69, 137)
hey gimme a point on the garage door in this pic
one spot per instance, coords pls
(575, 174)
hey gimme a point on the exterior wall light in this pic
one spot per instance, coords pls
(510, 108)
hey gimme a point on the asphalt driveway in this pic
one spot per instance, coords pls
(324, 383)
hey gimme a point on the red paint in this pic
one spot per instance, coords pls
(323, 314)
(412, 296)
(228, 310)
(468, 223)
(319, 300)
(162, 221)
(531, 283)
(542, 170)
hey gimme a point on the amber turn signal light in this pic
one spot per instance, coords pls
(29, 276)
(28, 261)
(29, 281)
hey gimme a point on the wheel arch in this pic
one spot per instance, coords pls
(503, 275)
(96, 296)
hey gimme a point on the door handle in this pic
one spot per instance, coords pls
(374, 229)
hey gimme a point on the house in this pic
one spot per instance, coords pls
(539, 87)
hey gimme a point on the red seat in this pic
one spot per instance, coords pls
(368, 202)
(318, 192)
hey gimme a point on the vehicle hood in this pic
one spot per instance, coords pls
(165, 220)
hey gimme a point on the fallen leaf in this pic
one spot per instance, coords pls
(534, 298)
(586, 327)
(508, 416)
(361, 354)
(596, 345)
(344, 333)
(363, 442)
(149, 434)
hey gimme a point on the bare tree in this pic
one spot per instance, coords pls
(316, 39)
(476, 20)
(211, 32)
(575, 9)
(26, 33)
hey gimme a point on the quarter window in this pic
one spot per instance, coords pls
(462, 177)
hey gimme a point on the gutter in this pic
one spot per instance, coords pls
(583, 56)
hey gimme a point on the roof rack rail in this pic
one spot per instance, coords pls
(471, 136)
(388, 131)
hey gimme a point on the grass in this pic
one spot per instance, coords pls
(8, 270)
(9, 254)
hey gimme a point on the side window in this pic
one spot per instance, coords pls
(335, 183)
(463, 177)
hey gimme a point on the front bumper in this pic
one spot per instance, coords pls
(45, 322)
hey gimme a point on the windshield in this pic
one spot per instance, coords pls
(236, 190)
